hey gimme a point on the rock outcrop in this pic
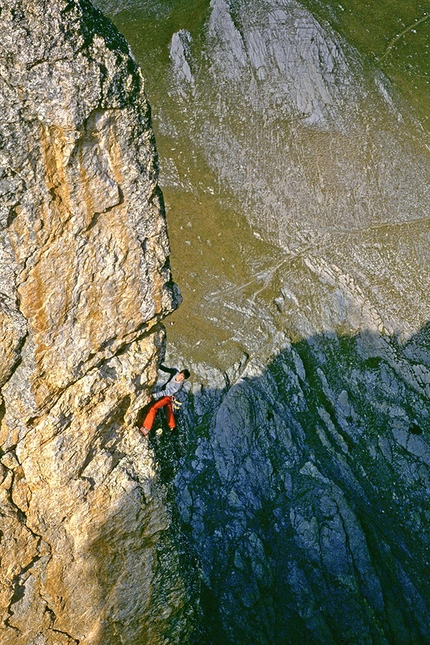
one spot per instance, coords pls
(302, 181)
(301, 227)
(86, 542)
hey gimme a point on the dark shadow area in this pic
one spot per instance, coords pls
(302, 494)
(297, 504)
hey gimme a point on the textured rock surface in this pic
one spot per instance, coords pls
(304, 474)
(305, 489)
(86, 546)
(304, 477)
(316, 449)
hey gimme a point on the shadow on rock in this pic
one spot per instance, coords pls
(303, 488)
(148, 584)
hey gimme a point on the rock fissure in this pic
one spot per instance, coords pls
(46, 61)
(15, 365)
(92, 368)
(53, 619)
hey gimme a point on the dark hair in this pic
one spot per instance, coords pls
(186, 373)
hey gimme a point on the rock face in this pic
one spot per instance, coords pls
(304, 477)
(304, 488)
(304, 474)
(86, 541)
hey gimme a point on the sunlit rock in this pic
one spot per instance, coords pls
(86, 541)
(297, 182)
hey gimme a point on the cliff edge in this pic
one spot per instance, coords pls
(84, 284)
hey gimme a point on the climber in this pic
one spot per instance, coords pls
(166, 398)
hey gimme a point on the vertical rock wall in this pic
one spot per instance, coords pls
(84, 283)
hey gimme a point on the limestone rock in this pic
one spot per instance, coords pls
(86, 540)
(303, 486)
(304, 478)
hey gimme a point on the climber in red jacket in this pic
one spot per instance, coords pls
(166, 398)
